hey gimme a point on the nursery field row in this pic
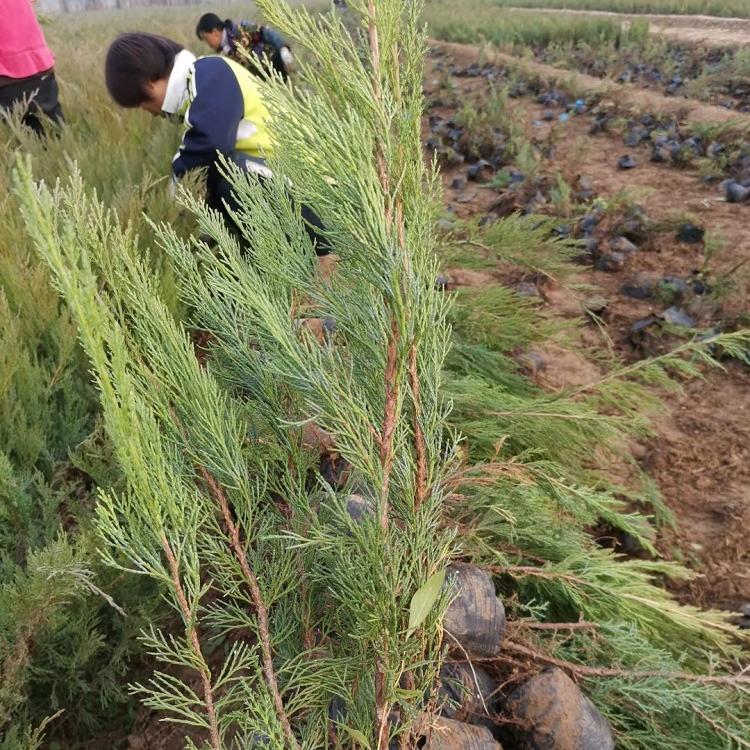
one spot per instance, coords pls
(489, 456)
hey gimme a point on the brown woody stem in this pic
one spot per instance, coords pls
(579, 670)
(559, 625)
(391, 384)
(187, 615)
(389, 422)
(381, 707)
(260, 607)
(419, 442)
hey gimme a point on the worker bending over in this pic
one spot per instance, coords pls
(250, 44)
(220, 103)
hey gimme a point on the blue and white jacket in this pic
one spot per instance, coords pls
(221, 105)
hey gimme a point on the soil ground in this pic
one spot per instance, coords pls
(710, 30)
(700, 458)
(627, 96)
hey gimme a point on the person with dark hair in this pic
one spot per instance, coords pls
(27, 78)
(247, 43)
(220, 103)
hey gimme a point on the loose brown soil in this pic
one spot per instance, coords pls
(700, 458)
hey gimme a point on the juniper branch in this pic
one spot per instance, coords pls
(532, 625)
(260, 607)
(419, 442)
(740, 741)
(192, 633)
(581, 670)
(700, 347)
(389, 422)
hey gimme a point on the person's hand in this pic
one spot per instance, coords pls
(287, 58)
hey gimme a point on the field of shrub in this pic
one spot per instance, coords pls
(489, 457)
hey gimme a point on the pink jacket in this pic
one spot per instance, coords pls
(23, 50)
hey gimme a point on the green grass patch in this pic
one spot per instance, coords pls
(722, 8)
(487, 21)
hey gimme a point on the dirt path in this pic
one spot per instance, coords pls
(628, 97)
(701, 454)
(710, 30)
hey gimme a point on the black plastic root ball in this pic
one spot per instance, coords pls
(690, 233)
(359, 507)
(611, 262)
(465, 693)
(734, 192)
(446, 734)
(475, 620)
(549, 712)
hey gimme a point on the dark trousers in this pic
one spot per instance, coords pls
(220, 196)
(261, 58)
(278, 64)
(40, 94)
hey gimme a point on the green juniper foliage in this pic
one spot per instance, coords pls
(296, 621)
(63, 648)
(52, 447)
(518, 241)
(220, 506)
